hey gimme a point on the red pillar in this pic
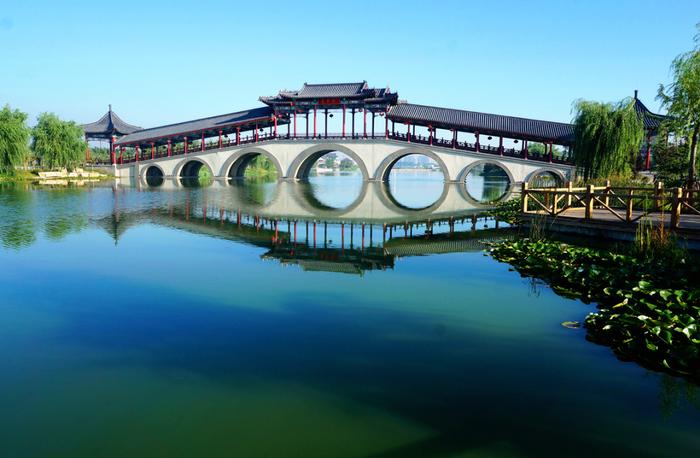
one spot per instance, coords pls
(202, 141)
(153, 150)
(647, 164)
(550, 151)
(274, 119)
(408, 132)
(256, 133)
(238, 135)
(430, 135)
(136, 153)
(500, 145)
(314, 121)
(525, 149)
(364, 122)
(343, 121)
(477, 145)
(220, 139)
(295, 123)
(386, 126)
(170, 148)
(112, 151)
(121, 155)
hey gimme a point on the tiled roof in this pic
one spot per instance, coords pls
(109, 124)
(213, 123)
(312, 91)
(651, 121)
(485, 123)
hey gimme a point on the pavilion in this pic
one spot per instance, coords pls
(108, 127)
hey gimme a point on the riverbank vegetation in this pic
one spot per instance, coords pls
(14, 140)
(52, 144)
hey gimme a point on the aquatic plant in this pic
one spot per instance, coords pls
(648, 306)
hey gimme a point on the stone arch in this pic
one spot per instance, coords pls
(465, 171)
(238, 161)
(301, 165)
(180, 167)
(560, 177)
(145, 170)
(382, 172)
(462, 177)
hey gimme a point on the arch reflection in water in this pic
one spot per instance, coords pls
(487, 182)
(337, 191)
(255, 193)
(415, 182)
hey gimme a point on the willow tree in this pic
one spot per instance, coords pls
(607, 138)
(14, 139)
(58, 143)
(682, 100)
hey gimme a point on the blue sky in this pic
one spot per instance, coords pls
(159, 62)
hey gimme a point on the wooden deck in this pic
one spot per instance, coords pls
(606, 225)
(614, 213)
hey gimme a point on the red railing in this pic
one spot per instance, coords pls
(179, 150)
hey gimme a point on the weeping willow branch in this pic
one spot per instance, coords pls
(607, 138)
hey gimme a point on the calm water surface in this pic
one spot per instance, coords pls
(178, 322)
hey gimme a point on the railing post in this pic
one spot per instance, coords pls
(589, 201)
(676, 208)
(554, 203)
(658, 195)
(630, 204)
(606, 199)
(523, 197)
(569, 191)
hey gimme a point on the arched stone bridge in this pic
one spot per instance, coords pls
(375, 157)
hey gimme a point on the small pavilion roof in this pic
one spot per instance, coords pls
(651, 121)
(109, 124)
(484, 123)
(211, 124)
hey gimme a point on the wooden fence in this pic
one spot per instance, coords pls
(626, 204)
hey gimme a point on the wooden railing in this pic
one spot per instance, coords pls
(626, 204)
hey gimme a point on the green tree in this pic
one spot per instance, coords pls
(670, 159)
(14, 139)
(682, 100)
(58, 143)
(607, 138)
(329, 160)
(347, 164)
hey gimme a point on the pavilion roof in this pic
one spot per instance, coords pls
(651, 121)
(484, 123)
(213, 124)
(313, 91)
(109, 124)
(332, 91)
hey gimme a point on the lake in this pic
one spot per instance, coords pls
(329, 318)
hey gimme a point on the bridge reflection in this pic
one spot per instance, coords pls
(361, 202)
(369, 234)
